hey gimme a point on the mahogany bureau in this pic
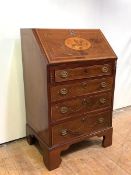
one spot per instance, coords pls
(69, 78)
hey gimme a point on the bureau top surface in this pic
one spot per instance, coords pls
(68, 45)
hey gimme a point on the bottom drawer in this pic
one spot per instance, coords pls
(83, 125)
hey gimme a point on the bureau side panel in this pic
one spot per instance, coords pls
(35, 84)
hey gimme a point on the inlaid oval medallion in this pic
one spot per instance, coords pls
(77, 43)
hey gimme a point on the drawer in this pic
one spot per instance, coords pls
(83, 72)
(84, 87)
(80, 105)
(86, 124)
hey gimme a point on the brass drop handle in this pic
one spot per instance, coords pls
(63, 91)
(103, 84)
(100, 120)
(64, 132)
(63, 74)
(102, 100)
(64, 109)
(105, 69)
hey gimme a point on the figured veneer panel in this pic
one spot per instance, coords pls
(83, 72)
(78, 88)
(85, 124)
(80, 105)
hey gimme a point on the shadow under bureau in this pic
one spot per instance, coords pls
(69, 78)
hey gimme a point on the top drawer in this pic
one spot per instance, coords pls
(83, 72)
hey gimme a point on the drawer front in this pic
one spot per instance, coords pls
(82, 72)
(84, 87)
(80, 126)
(80, 105)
